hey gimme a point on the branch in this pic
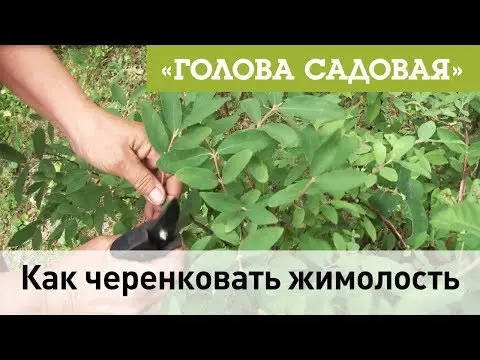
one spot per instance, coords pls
(71, 162)
(388, 224)
(201, 226)
(463, 182)
(269, 113)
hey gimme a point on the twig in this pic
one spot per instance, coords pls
(71, 162)
(201, 226)
(219, 177)
(269, 113)
(174, 136)
(463, 182)
(312, 180)
(389, 225)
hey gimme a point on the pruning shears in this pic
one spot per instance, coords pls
(160, 234)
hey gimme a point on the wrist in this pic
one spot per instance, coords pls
(76, 120)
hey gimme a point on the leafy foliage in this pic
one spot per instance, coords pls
(282, 171)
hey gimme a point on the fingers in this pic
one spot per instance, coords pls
(151, 211)
(173, 188)
(144, 181)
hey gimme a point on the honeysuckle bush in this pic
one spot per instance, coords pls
(307, 171)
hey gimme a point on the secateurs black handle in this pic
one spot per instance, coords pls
(160, 234)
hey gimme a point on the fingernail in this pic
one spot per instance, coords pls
(157, 196)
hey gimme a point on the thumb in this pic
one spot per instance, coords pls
(145, 182)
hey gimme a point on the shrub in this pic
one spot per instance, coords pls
(281, 171)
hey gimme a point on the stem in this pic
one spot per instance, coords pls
(463, 182)
(312, 180)
(174, 136)
(219, 177)
(388, 224)
(269, 113)
(71, 162)
(201, 226)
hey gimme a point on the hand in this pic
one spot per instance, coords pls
(89, 300)
(121, 147)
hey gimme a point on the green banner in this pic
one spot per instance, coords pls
(313, 68)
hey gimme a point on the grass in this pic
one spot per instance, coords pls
(95, 68)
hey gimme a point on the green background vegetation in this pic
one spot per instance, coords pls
(319, 171)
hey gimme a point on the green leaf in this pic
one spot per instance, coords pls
(229, 237)
(118, 94)
(373, 110)
(307, 242)
(413, 190)
(174, 160)
(71, 228)
(313, 204)
(156, 132)
(98, 219)
(436, 157)
(380, 152)
(87, 197)
(251, 139)
(76, 184)
(262, 239)
(120, 228)
(76, 56)
(426, 130)
(202, 244)
(252, 108)
(369, 228)
(312, 108)
(418, 240)
(24, 234)
(192, 139)
(284, 134)
(339, 242)
(39, 140)
(337, 182)
(295, 173)
(221, 202)
(323, 158)
(20, 184)
(172, 110)
(35, 186)
(37, 240)
(201, 112)
(401, 147)
(415, 168)
(462, 217)
(451, 140)
(298, 217)
(288, 194)
(235, 219)
(138, 92)
(57, 233)
(258, 170)
(47, 168)
(251, 196)
(198, 178)
(274, 98)
(10, 154)
(259, 215)
(220, 126)
(235, 165)
(309, 141)
(389, 174)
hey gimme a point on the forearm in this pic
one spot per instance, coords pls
(38, 78)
